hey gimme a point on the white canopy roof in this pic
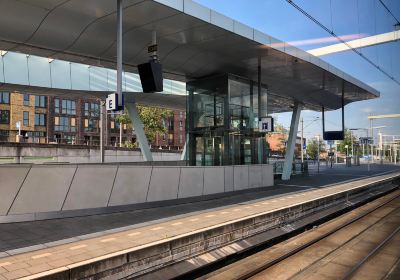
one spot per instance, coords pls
(193, 41)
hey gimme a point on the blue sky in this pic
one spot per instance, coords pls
(346, 17)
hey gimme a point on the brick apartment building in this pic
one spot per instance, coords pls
(175, 135)
(72, 121)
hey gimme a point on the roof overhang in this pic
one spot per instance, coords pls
(193, 41)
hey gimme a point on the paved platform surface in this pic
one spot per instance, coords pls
(107, 244)
(20, 235)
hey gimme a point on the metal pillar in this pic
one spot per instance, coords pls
(101, 131)
(119, 51)
(294, 125)
(183, 155)
(367, 150)
(373, 142)
(318, 152)
(380, 147)
(302, 134)
(120, 134)
(140, 135)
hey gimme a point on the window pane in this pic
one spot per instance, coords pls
(26, 118)
(26, 99)
(64, 106)
(4, 116)
(5, 97)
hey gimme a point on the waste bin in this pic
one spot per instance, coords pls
(348, 161)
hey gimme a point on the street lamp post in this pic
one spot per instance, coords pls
(352, 144)
(302, 135)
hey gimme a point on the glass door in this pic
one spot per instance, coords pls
(209, 151)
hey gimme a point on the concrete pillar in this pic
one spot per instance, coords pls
(140, 135)
(294, 125)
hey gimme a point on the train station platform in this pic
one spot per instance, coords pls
(140, 239)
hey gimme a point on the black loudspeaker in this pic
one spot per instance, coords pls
(151, 76)
(334, 135)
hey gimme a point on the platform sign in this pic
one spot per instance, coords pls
(266, 124)
(112, 102)
(365, 140)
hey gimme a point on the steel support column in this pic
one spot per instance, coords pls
(101, 124)
(183, 155)
(139, 131)
(291, 143)
(119, 52)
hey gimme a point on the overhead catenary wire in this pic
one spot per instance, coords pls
(389, 11)
(342, 41)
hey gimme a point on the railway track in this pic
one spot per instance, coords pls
(361, 244)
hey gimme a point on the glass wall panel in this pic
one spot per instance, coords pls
(112, 79)
(1, 69)
(98, 78)
(80, 76)
(178, 87)
(15, 68)
(39, 71)
(223, 121)
(60, 74)
(166, 86)
(133, 82)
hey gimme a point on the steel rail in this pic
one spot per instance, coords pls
(350, 273)
(310, 243)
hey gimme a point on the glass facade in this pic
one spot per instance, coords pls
(223, 114)
(33, 70)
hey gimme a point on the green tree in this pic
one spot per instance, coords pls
(312, 147)
(152, 119)
(341, 146)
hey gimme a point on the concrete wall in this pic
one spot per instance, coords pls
(78, 154)
(31, 189)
